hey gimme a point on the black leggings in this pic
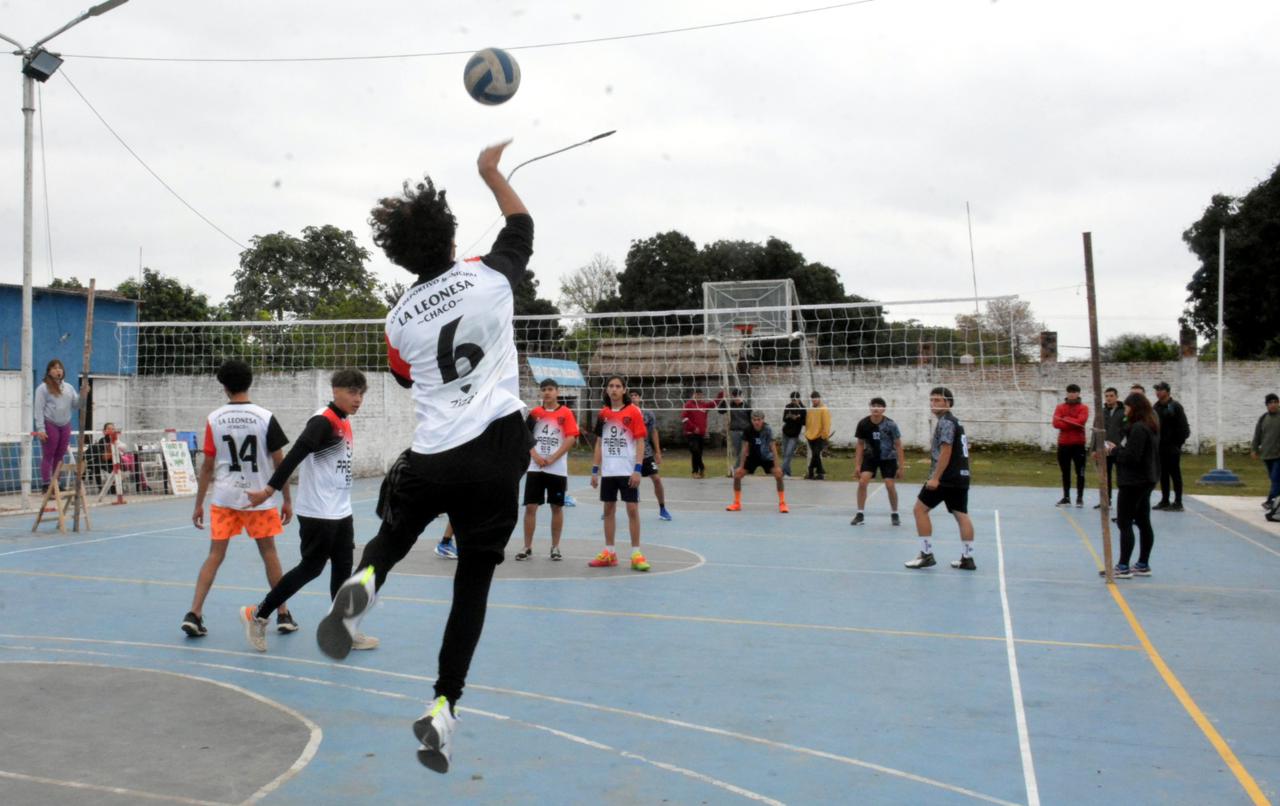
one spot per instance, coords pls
(1069, 455)
(322, 541)
(695, 453)
(1171, 470)
(1133, 506)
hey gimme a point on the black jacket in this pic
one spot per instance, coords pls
(1174, 428)
(793, 417)
(1137, 458)
(1113, 421)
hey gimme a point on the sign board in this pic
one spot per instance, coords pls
(177, 463)
(565, 373)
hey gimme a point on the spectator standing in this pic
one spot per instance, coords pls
(55, 401)
(817, 430)
(1137, 467)
(1070, 418)
(1113, 423)
(1174, 431)
(694, 419)
(793, 417)
(1266, 446)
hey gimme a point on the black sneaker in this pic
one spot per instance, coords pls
(1097, 506)
(555, 554)
(922, 560)
(524, 554)
(1079, 501)
(1119, 572)
(857, 520)
(965, 564)
(1175, 507)
(1065, 501)
(1141, 570)
(1161, 505)
(193, 625)
(285, 623)
(894, 519)
(1268, 503)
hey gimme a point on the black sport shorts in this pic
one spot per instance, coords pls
(541, 487)
(754, 462)
(956, 498)
(648, 468)
(888, 467)
(614, 487)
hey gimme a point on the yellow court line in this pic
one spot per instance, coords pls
(617, 613)
(1242, 775)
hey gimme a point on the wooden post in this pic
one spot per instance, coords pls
(86, 403)
(1099, 421)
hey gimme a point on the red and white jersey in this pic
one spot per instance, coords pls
(619, 432)
(452, 337)
(550, 430)
(241, 438)
(324, 478)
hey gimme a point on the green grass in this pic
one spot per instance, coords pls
(998, 467)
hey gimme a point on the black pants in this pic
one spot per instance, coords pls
(1133, 506)
(695, 453)
(1069, 455)
(321, 541)
(816, 470)
(1111, 466)
(1171, 471)
(477, 485)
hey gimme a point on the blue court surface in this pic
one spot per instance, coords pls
(766, 658)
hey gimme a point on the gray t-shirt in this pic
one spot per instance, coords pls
(55, 408)
(651, 428)
(943, 434)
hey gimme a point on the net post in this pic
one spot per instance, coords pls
(1099, 423)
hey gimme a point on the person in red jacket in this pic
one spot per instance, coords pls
(694, 418)
(1070, 418)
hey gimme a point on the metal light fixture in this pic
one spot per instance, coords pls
(41, 66)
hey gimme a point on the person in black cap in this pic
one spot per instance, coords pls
(1174, 431)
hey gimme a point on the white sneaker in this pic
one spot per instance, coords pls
(337, 630)
(435, 730)
(362, 641)
(255, 629)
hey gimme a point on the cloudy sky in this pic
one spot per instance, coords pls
(857, 134)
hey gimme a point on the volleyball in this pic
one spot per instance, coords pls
(492, 76)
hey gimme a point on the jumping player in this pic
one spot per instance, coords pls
(879, 449)
(759, 450)
(324, 452)
(652, 455)
(449, 339)
(948, 483)
(243, 444)
(556, 432)
(619, 457)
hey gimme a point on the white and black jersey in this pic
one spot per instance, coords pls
(323, 451)
(451, 340)
(241, 438)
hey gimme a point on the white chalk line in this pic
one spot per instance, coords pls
(1020, 714)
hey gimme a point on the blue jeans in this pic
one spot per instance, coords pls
(789, 445)
(1273, 472)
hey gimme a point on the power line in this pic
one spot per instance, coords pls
(533, 46)
(141, 162)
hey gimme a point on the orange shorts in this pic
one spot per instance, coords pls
(225, 523)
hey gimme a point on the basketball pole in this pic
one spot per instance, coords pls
(1099, 422)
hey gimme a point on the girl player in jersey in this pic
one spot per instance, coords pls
(243, 444)
(323, 505)
(948, 483)
(619, 457)
(450, 340)
(555, 431)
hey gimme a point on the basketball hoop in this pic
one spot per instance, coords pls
(744, 328)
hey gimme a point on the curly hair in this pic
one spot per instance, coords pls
(236, 376)
(416, 229)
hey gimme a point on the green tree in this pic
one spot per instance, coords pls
(290, 277)
(1140, 347)
(165, 299)
(176, 349)
(70, 283)
(1251, 308)
(662, 273)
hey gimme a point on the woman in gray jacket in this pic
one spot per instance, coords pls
(55, 401)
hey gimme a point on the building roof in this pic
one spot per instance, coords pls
(665, 357)
(99, 293)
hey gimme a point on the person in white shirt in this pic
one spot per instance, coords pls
(243, 444)
(555, 430)
(450, 339)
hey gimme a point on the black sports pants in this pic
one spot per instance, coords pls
(695, 453)
(322, 541)
(1069, 455)
(816, 470)
(1171, 471)
(1133, 506)
(477, 485)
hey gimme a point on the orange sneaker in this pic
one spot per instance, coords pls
(638, 562)
(605, 559)
(782, 507)
(734, 507)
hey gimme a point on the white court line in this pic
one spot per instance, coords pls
(110, 790)
(308, 752)
(606, 709)
(1020, 714)
(1240, 535)
(94, 540)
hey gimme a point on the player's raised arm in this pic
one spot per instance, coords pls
(487, 163)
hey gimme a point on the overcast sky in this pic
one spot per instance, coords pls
(857, 134)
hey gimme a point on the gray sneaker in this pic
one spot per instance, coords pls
(255, 629)
(435, 730)
(336, 632)
(555, 554)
